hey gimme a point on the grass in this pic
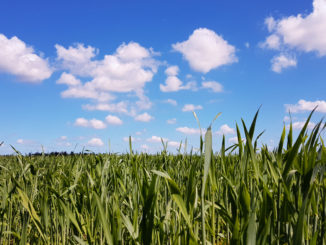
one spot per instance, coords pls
(243, 195)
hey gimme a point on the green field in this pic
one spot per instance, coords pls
(240, 195)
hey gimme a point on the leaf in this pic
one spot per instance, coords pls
(103, 219)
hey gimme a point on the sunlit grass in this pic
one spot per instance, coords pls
(243, 195)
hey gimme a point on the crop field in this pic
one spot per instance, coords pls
(240, 195)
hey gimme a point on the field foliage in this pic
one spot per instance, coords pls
(242, 195)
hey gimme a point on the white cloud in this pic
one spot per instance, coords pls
(272, 42)
(86, 93)
(95, 142)
(114, 120)
(68, 79)
(299, 125)
(186, 130)
(214, 86)
(172, 71)
(225, 130)
(62, 141)
(270, 23)
(233, 140)
(174, 143)
(145, 117)
(125, 71)
(26, 142)
(133, 139)
(191, 107)
(171, 102)
(302, 32)
(304, 105)
(283, 61)
(205, 50)
(18, 59)
(173, 83)
(77, 59)
(247, 45)
(20, 141)
(93, 123)
(156, 139)
(63, 137)
(121, 107)
(171, 121)
(286, 119)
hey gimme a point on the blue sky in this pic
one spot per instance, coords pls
(75, 75)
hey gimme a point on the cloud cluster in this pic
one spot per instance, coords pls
(301, 32)
(225, 130)
(171, 102)
(98, 124)
(171, 121)
(173, 83)
(93, 123)
(20, 60)
(213, 86)
(191, 107)
(125, 71)
(95, 142)
(156, 139)
(187, 130)
(113, 120)
(299, 125)
(283, 61)
(145, 117)
(306, 106)
(205, 50)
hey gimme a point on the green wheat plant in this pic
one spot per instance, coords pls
(243, 194)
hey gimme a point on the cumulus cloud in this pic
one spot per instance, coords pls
(62, 141)
(303, 106)
(68, 79)
(272, 42)
(125, 71)
(20, 141)
(172, 71)
(156, 139)
(114, 120)
(145, 117)
(191, 107)
(174, 143)
(173, 83)
(18, 59)
(171, 102)
(283, 61)
(299, 125)
(225, 130)
(171, 121)
(77, 59)
(133, 139)
(26, 142)
(93, 123)
(121, 107)
(233, 140)
(301, 32)
(186, 130)
(212, 85)
(205, 50)
(286, 119)
(63, 137)
(95, 142)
